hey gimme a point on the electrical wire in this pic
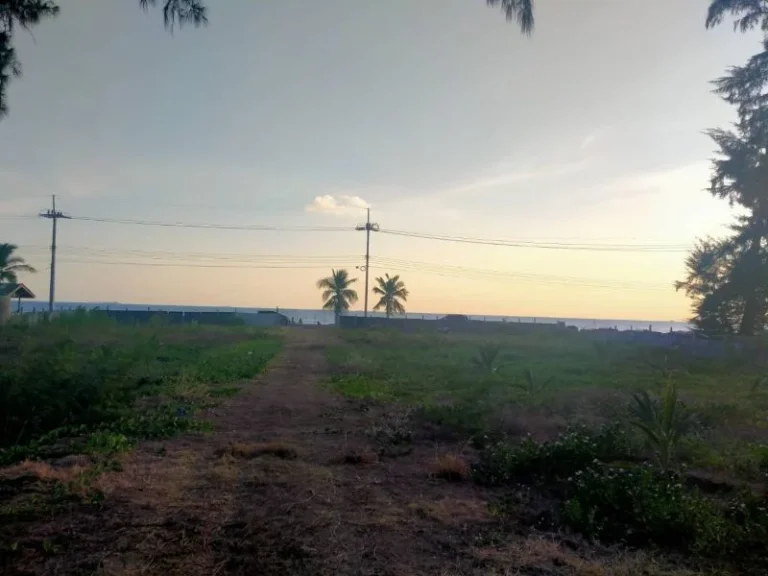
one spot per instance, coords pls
(190, 265)
(254, 227)
(594, 247)
(490, 274)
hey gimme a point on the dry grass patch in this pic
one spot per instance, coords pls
(451, 467)
(158, 480)
(43, 471)
(452, 510)
(356, 457)
(285, 473)
(546, 555)
(248, 451)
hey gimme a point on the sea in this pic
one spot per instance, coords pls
(325, 317)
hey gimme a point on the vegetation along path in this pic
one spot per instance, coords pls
(295, 479)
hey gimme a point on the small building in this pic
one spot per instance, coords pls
(10, 291)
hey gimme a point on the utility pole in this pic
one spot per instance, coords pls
(52, 214)
(368, 227)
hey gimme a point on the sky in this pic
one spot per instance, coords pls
(437, 114)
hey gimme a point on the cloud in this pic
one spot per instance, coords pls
(337, 205)
(588, 141)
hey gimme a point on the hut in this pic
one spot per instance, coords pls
(8, 292)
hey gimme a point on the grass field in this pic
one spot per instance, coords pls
(375, 452)
(84, 383)
(559, 413)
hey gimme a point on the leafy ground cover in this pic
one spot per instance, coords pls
(79, 390)
(641, 446)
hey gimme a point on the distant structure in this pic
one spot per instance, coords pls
(8, 292)
(266, 318)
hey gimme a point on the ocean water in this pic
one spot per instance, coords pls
(325, 317)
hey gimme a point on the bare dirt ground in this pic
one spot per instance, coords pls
(296, 480)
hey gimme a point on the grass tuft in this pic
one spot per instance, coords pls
(248, 451)
(451, 467)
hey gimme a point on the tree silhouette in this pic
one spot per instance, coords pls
(337, 294)
(727, 278)
(11, 265)
(391, 290)
(28, 13)
(25, 14)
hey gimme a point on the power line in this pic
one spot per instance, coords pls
(215, 226)
(490, 274)
(594, 247)
(189, 265)
(164, 254)
(535, 276)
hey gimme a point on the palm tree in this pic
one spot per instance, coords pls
(10, 265)
(337, 294)
(391, 290)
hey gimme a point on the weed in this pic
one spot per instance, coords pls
(759, 383)
(530, 461)
(223, 391)
(486, 358)
(662, 421)
(107, 443)
(531, 385)
(643, 505)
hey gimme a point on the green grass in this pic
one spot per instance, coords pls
(88, 384)
(568, 376)
(605, 477)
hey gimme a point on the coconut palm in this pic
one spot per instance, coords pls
(337, 294)
(10, 265)
(391, 290)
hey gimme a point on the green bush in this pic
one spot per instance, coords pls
(530, 461)
(643, 505)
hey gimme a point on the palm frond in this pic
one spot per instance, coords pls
(663, 421)
(746, 13)
(180, 11)
(519, 10)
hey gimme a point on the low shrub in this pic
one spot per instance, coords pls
(643, 505)
(504, 462)
(83, 380)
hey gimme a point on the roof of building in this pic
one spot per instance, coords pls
(15, 290)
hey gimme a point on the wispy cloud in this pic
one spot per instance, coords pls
(337, 205)
(507, 178)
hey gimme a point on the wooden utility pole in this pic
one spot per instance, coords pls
(368, 227)
(53, 215)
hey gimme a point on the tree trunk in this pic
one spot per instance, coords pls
(752, 308)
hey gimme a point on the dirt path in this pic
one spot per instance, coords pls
(293, 480)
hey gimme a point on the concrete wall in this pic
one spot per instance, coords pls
(146, 316)
(461, 326)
